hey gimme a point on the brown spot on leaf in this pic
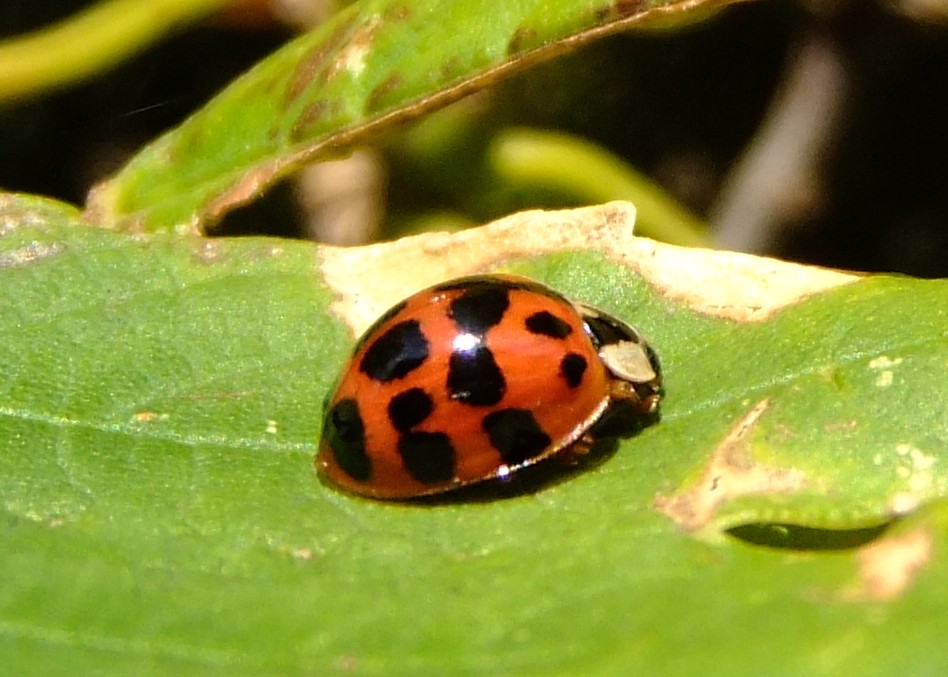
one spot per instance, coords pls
(305, 72)
(313, 115)
(735, 286)
(621, 9)
(351, 56)
(731, 472)
(626, 8)
(397, 11)
(316, 62)
(379, 97)
(523, 38)
(888, 566)
(452, 68)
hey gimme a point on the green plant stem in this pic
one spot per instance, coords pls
(90, 41)
(586, 170)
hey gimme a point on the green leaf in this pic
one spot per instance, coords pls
(373, 66)
(160, 407)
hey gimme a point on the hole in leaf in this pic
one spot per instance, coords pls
(795, 537)
(275, 213)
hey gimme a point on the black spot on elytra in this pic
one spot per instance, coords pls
(345, 435)
(409, 408)
(384, 319)
(396, 353)
(480, 307)
(572, 367)
(546, 323)
(516, 434)
(428, 457)
(474, 377)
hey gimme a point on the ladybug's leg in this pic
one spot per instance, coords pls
(575, 452)
(642, 397)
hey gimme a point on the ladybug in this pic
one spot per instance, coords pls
(475, 379)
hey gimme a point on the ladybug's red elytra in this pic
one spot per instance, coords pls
(475, 379)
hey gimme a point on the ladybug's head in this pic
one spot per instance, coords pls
(627, 356)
